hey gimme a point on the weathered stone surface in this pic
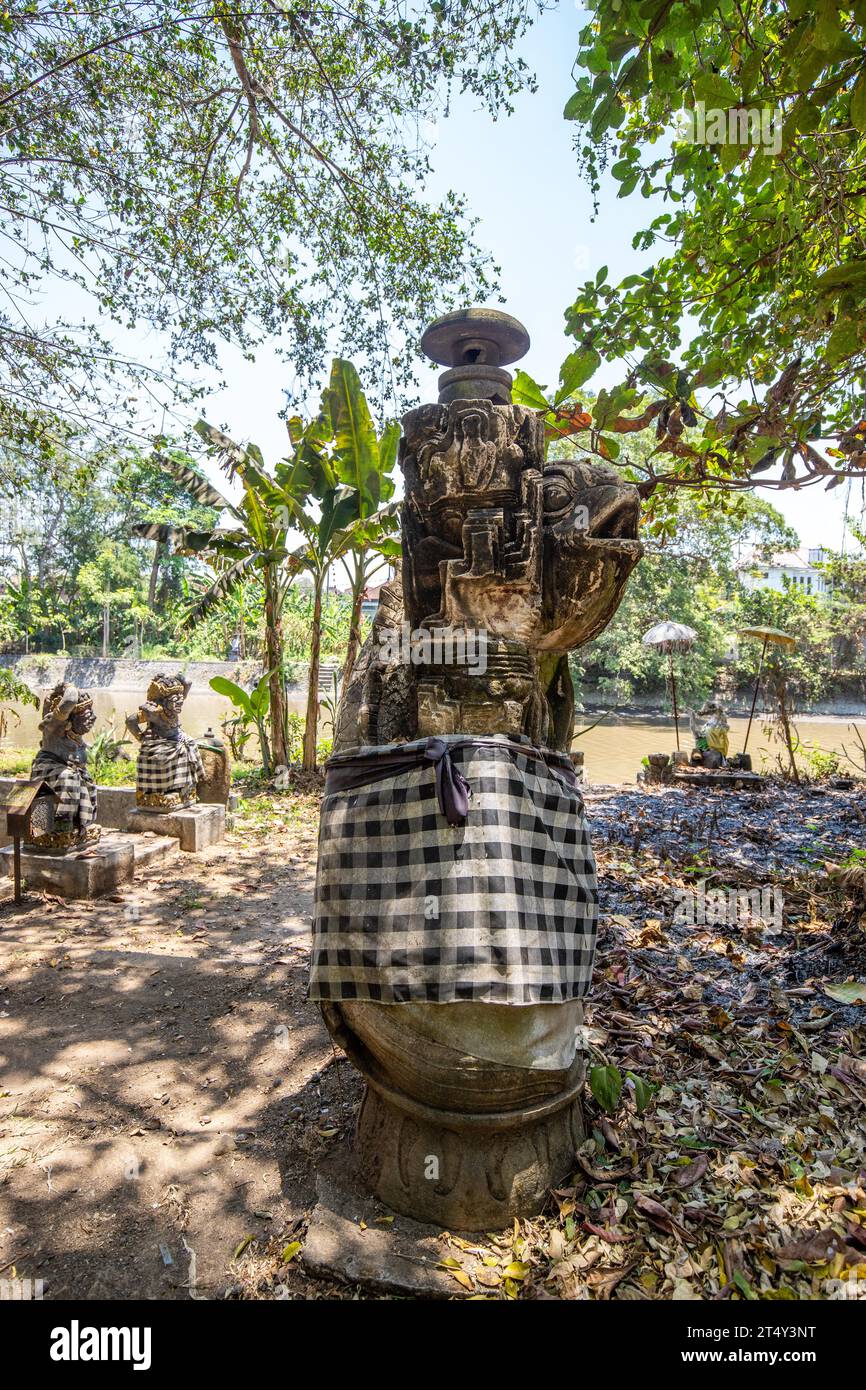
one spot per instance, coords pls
(399, 1256)
(195, 827)
(457, 1126)
(451, 1132)
(536, 555)
(150, 849)
(215, 789)
(86, 873)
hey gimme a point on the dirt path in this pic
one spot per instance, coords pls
(165, 1092)
(162, 1084)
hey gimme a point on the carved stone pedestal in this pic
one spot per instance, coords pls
(91, 872)
(467, 1172)
(466, 1142)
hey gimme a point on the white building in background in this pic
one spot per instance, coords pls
(798, 569)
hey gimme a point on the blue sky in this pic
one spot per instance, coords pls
(535, 211)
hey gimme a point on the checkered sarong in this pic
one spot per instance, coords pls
(499, 909)
(167, 767)
(73, 784)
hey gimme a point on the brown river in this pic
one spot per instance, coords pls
(613, 750)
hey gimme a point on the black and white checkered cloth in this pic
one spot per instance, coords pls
(167, 767)
(73, 784)
(501, 908)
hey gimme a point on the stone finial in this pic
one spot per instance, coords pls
(475, 343)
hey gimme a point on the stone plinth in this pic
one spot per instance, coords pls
(195, 827)
(354, 1238)
(88, 873)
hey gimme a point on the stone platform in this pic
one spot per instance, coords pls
(388, 1253)
(721, 777)
(195, 827)
(91, 872)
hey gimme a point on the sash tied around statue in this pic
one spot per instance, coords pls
(453, 868)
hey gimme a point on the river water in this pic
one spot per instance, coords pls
(613, 750)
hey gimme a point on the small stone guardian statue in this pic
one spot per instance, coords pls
(169, 763)
(710, 730)
(67, 715)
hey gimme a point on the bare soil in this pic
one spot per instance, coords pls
(164, 1090)
(166, 1093)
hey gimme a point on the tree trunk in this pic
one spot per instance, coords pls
(312, 721)
(786, 726)
(154, 577)
(358, 587)
(274, 660)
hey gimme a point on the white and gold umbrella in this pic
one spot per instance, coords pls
(671, 637)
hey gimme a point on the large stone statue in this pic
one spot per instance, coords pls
(456, 893)
(169, 763)
(67, 716)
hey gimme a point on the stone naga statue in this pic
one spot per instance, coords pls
(169, 763)
(431, 925)
(67, 716)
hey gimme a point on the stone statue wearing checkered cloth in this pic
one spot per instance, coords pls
(456, 900)
(67, 715)
(169, 763)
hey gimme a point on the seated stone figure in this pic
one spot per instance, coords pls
(169, 763)
(67, 715)
(710, 730)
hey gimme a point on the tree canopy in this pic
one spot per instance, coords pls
(747, 322)
(227, 173)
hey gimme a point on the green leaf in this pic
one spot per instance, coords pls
(858, 103)
(714, 90)
(828, 26)
(388, 446)
(238, 696)
(847, 992)
(527, 392)
(606, 1085)
(844, 341)
(356, 448)
(643, 1091)
(577, 368)
(851, 273)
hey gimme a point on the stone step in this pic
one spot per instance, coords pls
(92, 873)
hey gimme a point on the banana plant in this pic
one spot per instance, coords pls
(330, 490)
(252, 707)
(352, 466)
(254, 548)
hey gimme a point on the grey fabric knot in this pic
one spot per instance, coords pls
(453, 792)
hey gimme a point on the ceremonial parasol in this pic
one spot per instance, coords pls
(671, 637)
(765, 635)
